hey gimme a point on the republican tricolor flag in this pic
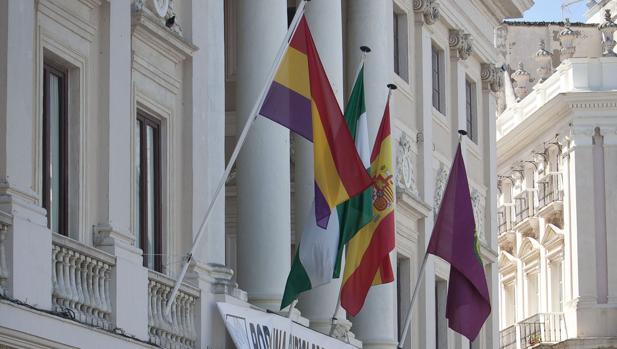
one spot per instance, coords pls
(301, 99)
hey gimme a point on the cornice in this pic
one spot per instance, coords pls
(558, 112)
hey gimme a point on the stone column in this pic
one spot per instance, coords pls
(28, 241)
(129, 280)
(203, 24)
(610, 168)
(264, 255)
(369, 23)
(424, 111)
(582, 225)
(324, 18)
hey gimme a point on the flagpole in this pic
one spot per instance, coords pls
(365, 50)
(247, 126)
(401, 341)
(413, 299)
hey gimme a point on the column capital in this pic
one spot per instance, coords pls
(428, 9)
(461, 43)
(491, 76)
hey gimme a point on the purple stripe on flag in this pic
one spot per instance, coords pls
(290, 109)
(322, 210)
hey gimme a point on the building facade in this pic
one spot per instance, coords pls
(555, 160)
(116, 122)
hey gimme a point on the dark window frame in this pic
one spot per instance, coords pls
(63, 214)
(437, 77)
(146, 120)
(471, 112)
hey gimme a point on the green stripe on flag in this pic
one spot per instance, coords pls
(297, 282)
(358, 211)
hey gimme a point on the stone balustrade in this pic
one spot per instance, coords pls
(80, 279)
(4, 268)
(178, 331)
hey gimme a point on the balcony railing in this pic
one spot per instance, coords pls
(80, 279)
(521, 207)
(543, 328)
(550, 190)
(4, 268)
(502, 222)
(178, 331)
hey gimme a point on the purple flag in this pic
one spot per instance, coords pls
(454, 239)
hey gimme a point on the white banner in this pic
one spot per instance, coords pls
(254, 329)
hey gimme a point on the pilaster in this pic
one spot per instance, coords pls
(28, 264)
(610, 172)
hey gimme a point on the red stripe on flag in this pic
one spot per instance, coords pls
(354, 291)
(383, 132)
(346, 159)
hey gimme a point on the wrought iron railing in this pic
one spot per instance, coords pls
(542, 328)
(550, 190)
(502, 222)
(521, 207)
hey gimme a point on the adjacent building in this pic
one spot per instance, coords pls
(556, 157)
(116, 121)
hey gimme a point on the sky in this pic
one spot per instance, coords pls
(550, 10)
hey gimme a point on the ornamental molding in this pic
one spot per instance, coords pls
(429, 9)
(405, 174)
(461, 43)
(492, 77)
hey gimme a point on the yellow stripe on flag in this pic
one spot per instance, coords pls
(326, 174)
(293, 72)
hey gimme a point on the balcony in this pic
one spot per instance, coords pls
(502, 222)
(537, 330)
(550, 195)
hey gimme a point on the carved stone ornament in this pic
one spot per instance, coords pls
(461, 43)
(491, 76)
(566, 38)
(544, 59)
(161, 7)
(429, 10)
(501, 39)
(522, 79)
(478, 202)
(440, 187)
(608, 28)
(405, 177)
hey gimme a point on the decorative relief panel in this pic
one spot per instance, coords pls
(478, 202)
(440, 186)
(405, 175)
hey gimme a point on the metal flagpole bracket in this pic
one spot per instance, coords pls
(365, 49)
(462, 132)
(392, 87)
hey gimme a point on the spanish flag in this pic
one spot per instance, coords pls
(368, 261)
(300, 98)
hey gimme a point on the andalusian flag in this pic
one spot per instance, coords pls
(301, 98)
(368, 261)
(358, 211)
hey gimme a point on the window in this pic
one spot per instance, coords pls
(148, 175)
(438, 82)
(441, 323)
(556, 286)
(532, 294)
(55, 149)
(470, 110)
(403, 296)
(399, 21)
